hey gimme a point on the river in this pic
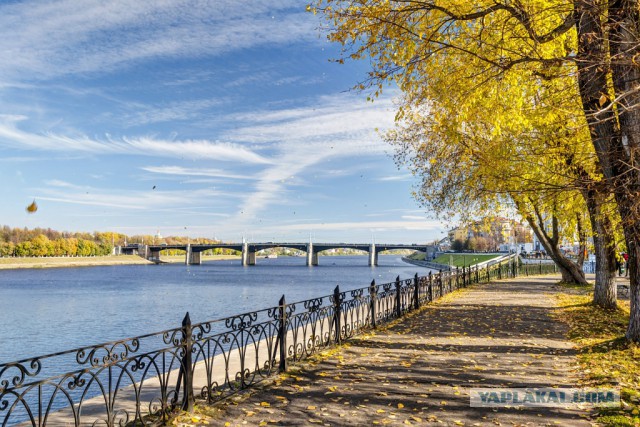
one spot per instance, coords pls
(49, 310)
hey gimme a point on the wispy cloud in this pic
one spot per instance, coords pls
(12, 136)
(400, 177)
(62, 37)
(60, 183)
(180, 171)
(129, 200)
(177, 111)
(341, 123)
(414, 217)
(368, 225)
(339, 126)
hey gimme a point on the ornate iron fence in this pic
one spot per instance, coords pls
(142, 380)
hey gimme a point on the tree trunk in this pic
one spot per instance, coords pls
(570, 271)
(614, 131)
(605, 293)
(582, 241)
(624, 24)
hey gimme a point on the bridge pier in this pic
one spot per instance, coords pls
(191, 257)
(373, 255)
(248, 256)
(154, 255)
(312, 256)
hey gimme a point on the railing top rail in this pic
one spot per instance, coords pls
(164, 363)
(112, 344)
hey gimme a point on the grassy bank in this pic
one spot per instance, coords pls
(463, 260)
(605, 356)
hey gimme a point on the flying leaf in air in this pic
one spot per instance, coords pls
(32, 207)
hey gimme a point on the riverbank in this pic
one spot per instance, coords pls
(60, 262)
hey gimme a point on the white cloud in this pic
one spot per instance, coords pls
(424, 225)
(172, 112)
(12, 136)
(414, 217)
(402, 177)
(339, 126)
(180, 171)
(60, 183)
(127, 200)
(64, 36)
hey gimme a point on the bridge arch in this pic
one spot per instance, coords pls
(248, 250)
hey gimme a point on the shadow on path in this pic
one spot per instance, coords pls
(420, 369)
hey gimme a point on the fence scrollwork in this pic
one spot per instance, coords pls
(141, 380)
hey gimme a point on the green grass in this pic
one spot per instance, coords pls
(461, 260)
(605, 356)
(417, 255)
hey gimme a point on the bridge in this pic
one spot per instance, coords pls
(249, 250)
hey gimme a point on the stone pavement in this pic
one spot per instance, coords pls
(418, 370)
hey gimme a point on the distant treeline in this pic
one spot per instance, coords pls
(47, 242)
(41, 242)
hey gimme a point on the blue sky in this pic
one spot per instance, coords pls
(204, 118)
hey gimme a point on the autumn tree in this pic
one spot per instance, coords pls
(427, 46)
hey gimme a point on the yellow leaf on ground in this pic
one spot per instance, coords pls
(265, 404)
(311, 407)
(400, 406)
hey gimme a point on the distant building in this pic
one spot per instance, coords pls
(490, 234)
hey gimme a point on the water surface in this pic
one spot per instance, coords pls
(50, 310)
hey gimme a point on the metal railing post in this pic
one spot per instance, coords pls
(416, 292)
(430, 287)
(398, 311)
(282, 334)
(373, 295)
(337, 308)
(186, 365)
(440, 284)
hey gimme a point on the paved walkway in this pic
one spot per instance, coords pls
(419, 370)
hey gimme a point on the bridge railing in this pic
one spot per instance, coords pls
(143, 380)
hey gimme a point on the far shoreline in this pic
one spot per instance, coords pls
(13, 263)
